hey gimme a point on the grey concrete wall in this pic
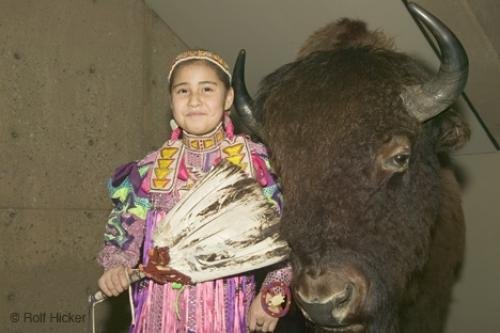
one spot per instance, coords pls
(82, 90)
(487, 13)
(471, 21)
(476, 301)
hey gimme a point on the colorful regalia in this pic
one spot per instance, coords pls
(143, 192)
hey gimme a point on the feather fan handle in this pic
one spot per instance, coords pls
(223, 226)
(99, 296)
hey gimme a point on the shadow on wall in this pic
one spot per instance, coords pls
(117, 318)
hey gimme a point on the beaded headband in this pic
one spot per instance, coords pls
(200, 55)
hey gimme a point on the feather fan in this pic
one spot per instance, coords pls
(223, 226)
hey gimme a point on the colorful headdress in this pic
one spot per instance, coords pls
(200, 55)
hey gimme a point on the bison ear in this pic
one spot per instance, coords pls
(454, 132)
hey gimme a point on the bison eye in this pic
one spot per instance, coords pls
(401, 160)
(394, 155)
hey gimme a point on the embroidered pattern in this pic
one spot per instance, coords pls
(202, 55)
(128, 208)
(208, 142)
(163, 171)
(235, 155)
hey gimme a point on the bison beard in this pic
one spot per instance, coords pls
(373, 213)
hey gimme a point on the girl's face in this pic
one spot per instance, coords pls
(199, 98)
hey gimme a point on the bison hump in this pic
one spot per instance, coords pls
(344, 33)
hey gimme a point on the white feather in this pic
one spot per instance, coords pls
(224, 226)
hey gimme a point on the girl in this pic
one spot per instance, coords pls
(144, 191)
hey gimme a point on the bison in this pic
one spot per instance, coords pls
(360, 136)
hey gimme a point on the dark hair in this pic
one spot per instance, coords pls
(220, 74)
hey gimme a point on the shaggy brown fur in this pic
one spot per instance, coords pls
(328, 117)
(344, 33)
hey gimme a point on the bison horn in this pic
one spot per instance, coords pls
(431, 98)
(243, 102)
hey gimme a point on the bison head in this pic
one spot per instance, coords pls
(357, 133)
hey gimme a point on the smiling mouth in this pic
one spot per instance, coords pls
(194, 114)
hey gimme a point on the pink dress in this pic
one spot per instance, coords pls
(142, 193)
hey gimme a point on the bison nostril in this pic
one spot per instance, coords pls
(347, 303)
(342, 299)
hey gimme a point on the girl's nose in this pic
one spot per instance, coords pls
(194, 100)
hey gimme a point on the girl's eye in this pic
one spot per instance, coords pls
(181, 91)
(207, 89)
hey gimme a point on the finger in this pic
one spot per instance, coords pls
(110, 286)
(252, 327)
(115, 278)
(273, 324)
(102, 285)
(124, 278)
(265, 327)
(251, 323)
(113, 286)
(260, 324)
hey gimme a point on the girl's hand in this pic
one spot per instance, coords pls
(258, 319)
(114, 280)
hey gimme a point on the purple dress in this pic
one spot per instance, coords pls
(142, 193)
